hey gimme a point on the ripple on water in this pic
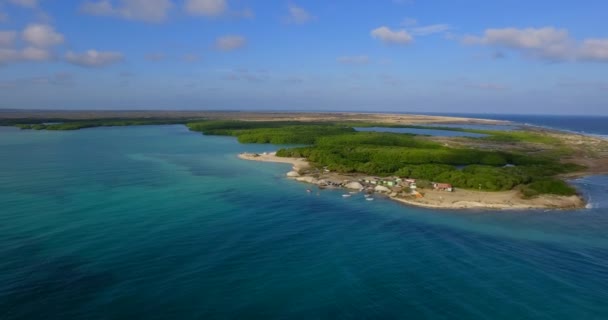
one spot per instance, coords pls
(157, 222)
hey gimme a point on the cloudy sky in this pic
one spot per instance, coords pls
(478, 56)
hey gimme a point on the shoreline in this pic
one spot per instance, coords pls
(298, 163)
(460, 199)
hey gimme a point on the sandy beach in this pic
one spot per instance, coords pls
(299, 164)
(459, 199)
(506, 200)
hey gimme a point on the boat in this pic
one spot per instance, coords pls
(367, 195)
(369, 199)
(346, 195)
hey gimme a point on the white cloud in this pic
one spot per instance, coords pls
(431, 29)
(298, 15)
(355, 60)
(99, 8)
(8, 55)
(25, 3)
(37, 41)
(388, 36)
(35, 54)
(546, 43)
(230, 42)
(594, 49)
(42, 35)
(7, 38)
(142, 10)
(207, 8)
(93, 58)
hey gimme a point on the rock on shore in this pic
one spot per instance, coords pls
(354, 185)
(307, 180)
(293, 174)
(382, 189)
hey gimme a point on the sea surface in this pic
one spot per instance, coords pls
(156, 222)
(592, 125)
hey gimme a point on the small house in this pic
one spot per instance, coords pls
(443, 187)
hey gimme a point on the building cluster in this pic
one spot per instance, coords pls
(389, 185)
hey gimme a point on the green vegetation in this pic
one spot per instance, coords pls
(491, 135)
(386, 153)
(270, 132)
(340, 148)
(547, 186)
(59, 124)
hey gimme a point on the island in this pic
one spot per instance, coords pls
(479, 165)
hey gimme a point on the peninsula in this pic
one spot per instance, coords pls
(401, 190)
(479, 165)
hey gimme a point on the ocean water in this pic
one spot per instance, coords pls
(157, 222)
(594, 125)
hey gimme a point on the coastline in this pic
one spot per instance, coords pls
(298, 164)
(457, 200)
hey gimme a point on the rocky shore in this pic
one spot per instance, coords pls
(427, 197)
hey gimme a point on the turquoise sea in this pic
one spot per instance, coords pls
(157, 222)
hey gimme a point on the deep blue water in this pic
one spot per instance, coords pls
(596, 125)
(161, 223)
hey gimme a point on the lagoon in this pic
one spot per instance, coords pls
(426, 132)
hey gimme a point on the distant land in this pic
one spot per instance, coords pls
(14, 115)
(515, 168)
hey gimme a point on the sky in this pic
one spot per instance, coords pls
(456, 56)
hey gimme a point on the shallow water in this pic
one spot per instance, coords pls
(426, 132)
(158, 222)
(476, 126)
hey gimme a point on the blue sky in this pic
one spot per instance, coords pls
(543, 57)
